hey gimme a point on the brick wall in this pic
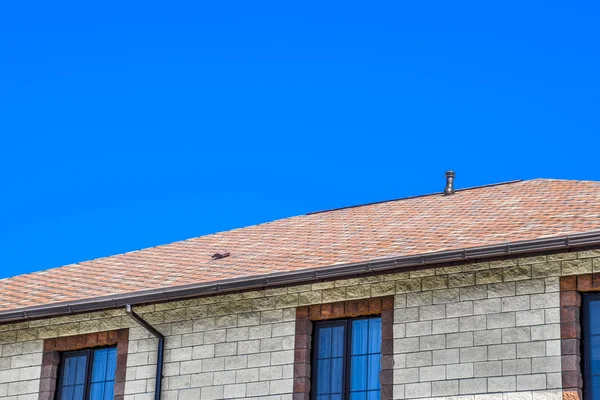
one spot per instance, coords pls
(482, 330)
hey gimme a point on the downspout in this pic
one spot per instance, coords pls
(160, 350)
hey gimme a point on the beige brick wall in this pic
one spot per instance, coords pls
(479, 331)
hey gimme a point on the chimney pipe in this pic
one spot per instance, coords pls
(449, 189)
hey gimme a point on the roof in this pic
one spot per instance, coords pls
(471, 218)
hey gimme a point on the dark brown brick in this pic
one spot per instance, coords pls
(570, 346)
(339, 310)
(301, 370)
(568, 283)
(595, 281)
(572, 379)
(570, 298)
(301, 356)
(301, 385)
(571, 363)
(351, 309)
(584, 282)
(326, 311)
(362, 307)
(569, 314)
(302, 312)
(387, 303)
(314, 312)
(570, 330)
(375, 306)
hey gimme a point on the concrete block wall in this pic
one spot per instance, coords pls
(480, 331)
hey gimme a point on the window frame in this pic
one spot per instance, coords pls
(346, 365)
(89, 353)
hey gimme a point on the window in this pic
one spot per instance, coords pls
(87, 374)
(591, 345)
(347, 359)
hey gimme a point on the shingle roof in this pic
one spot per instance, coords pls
(489, 215)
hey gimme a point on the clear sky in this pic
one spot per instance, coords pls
(129, 124)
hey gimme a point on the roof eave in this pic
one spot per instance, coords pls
(566, 242)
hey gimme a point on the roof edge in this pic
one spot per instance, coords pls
(565, 242)
(413, 197)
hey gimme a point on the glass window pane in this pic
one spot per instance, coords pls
(75, 369)
(374, 335)
(328, 365)
(109, 390)
(324, 377)
(324, 339)
(97, 391)
(359, 336)
(374, 368)
(103, 374)
(358, 396)
(111, 364)
(78, 391)
(594, 317)
(99, 367)
(67, 393)
(337, 369)
(337, 345)
(358, 376)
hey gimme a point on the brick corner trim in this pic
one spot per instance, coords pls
(571, 288)
(306, 315)
(53, 347)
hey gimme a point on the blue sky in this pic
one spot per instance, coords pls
(132, 124)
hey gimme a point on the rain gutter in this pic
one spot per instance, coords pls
(564, 243)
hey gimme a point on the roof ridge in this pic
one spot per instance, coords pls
(415, 196)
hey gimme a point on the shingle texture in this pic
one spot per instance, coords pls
(482, 216)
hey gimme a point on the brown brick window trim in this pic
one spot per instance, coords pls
(305, 316)
(53, 348)
(571, 288)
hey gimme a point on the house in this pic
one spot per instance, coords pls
(485, 293)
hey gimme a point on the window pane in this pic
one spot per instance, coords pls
(358, 396)
(97, 391)
(111, 364)
(78, 391)
(373, 372)
(73, 375)
(324, 339)
(109, 390)
(324, 377)
(593, 318)
(358, 377)
(329, 362)
(360, 333)
(591, 341)
(103, 374)
(596, 387)
(337, 345)
(67, 393)
(366, 359)
(99, 368)
(374, 335)
(337, 369)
